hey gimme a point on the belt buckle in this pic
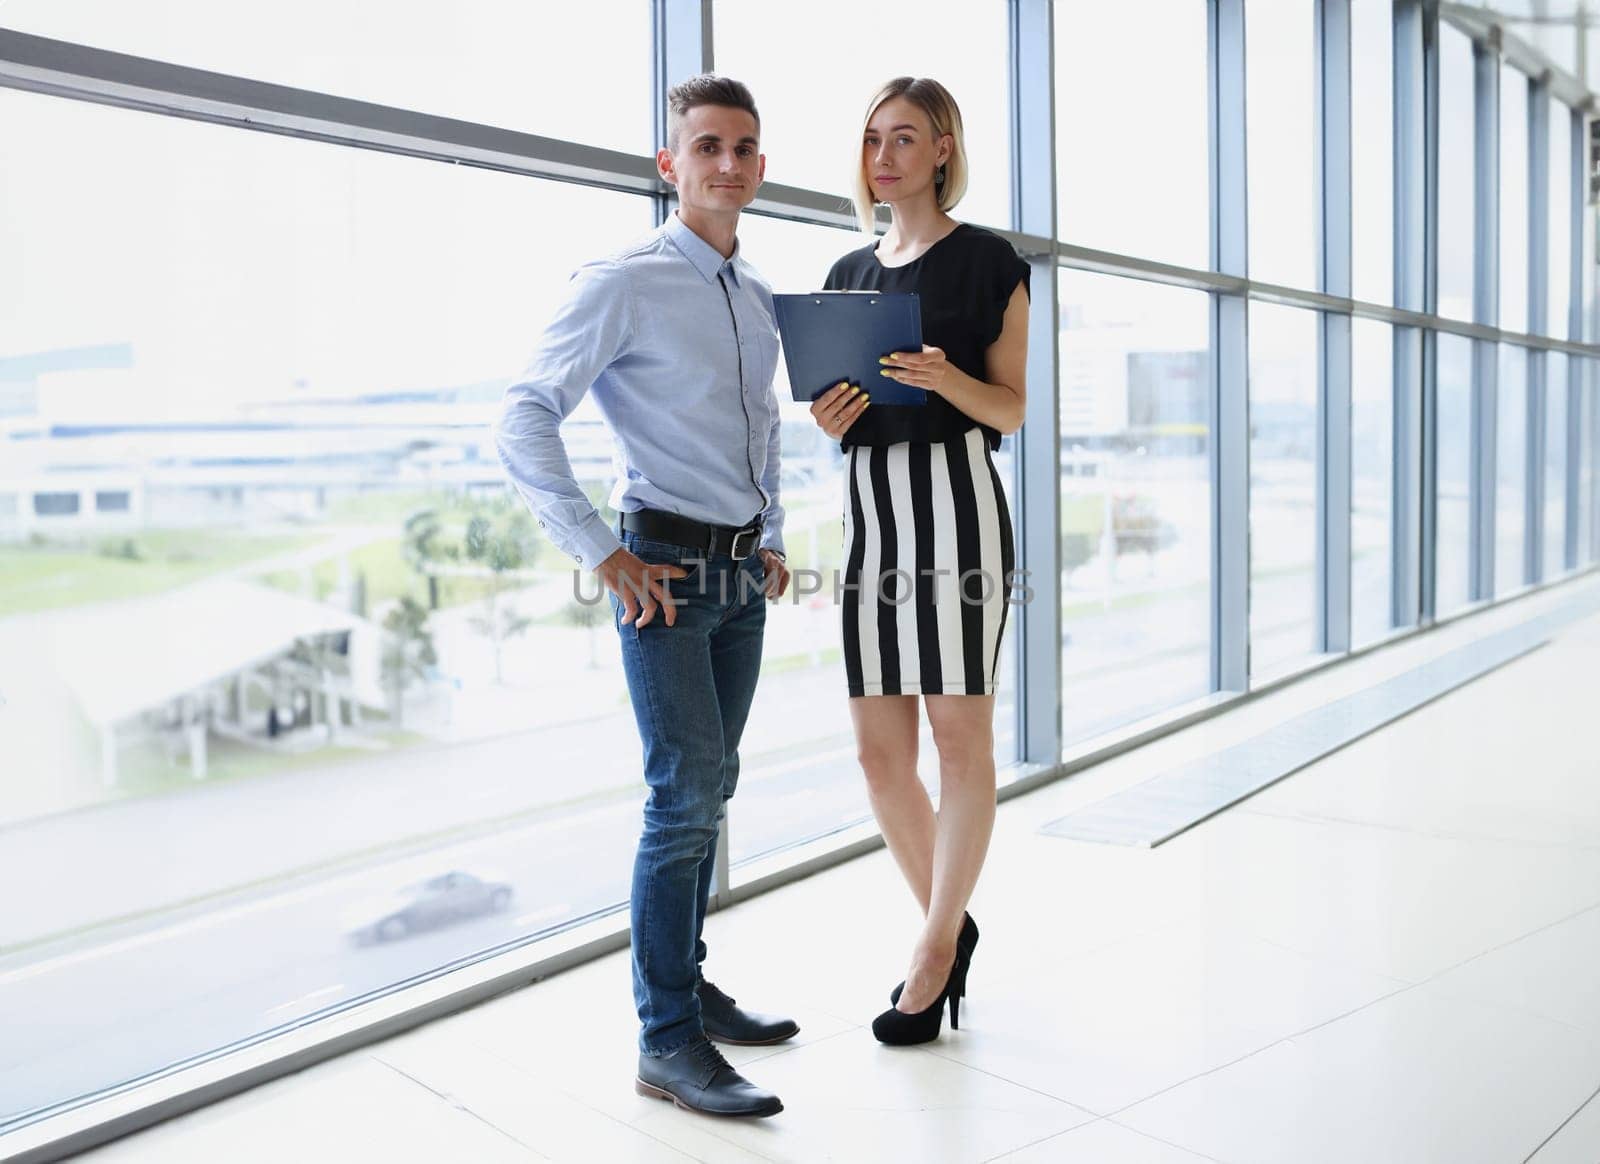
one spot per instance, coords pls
(750, 546)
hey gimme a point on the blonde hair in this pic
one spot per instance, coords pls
(945, 116)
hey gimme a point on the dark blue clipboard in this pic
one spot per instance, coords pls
(829, 336)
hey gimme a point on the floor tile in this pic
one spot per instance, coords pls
(1389, 901)
(849, 1099)
(1417, 1077)
(1112, 1027)
(354, 1108)
(1102, 1142)
(1575, 1142)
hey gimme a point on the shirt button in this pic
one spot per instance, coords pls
(580, 559)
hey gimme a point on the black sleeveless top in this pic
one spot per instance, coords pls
(964, 282)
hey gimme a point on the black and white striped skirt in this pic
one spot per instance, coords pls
(928, 562)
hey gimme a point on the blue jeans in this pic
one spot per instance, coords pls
(691, 685)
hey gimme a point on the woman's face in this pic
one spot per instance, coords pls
(900, 152)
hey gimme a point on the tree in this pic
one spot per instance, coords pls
(423, 548)
(408, 651)
(500, 539)
(588, 615)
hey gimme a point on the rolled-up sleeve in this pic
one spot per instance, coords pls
(592, 327)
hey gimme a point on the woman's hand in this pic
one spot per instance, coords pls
(838, 408)
(925, 369)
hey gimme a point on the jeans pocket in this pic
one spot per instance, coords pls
(692, 562)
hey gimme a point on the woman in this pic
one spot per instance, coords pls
(927, 530)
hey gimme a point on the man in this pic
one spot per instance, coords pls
(674, 335)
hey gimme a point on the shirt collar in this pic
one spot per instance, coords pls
(701, 254)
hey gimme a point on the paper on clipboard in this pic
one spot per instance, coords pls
(829, 336)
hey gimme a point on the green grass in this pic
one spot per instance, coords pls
(57, 574)
(143, 769)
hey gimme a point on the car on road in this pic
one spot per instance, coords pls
(439, 901)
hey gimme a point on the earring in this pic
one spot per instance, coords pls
(938, 176)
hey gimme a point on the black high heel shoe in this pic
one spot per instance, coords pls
(966, 940)
(900, 1029)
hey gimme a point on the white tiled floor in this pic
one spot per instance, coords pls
(1391, 956)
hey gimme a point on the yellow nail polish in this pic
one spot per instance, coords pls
(886, 372)
(883, 359)
(854, 390)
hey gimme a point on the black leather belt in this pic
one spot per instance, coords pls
(737, 543)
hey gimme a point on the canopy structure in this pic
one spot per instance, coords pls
(124, 659)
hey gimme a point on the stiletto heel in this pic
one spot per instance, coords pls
(966, 940)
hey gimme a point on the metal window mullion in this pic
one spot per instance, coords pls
(1577, 168)
(1416, 90)
(681, 39)
(1410, 259)
(1037, 466)
(1538, 170)
(1485, 310)
(1334, 228)
(1229, 362)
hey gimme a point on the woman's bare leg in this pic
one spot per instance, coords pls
(886, 745)
(963, 731)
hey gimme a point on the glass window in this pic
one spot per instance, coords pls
(511, 65)
(1283, 487)
(1135, 499)
(1457, 189)
(1513, 199)
(1560, 219)
(1131, 144)
(1280, 121)
(1372, 149)
(813, 89)
(1555, 465)
(1454, 541)
(1371, 479)
(291, 655)
(1511, 471)
(1588, 425)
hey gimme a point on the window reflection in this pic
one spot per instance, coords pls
(1555, 465)
(1511, 470)
(1135, 499)
(1371, 479)
(1513, 199)
(1283, 463)
(1457, 197)
(1116, 192)
(1281, 127)
(1453, 543)
(1372, 149)
(245, 433)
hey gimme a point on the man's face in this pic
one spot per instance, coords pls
(718, 163)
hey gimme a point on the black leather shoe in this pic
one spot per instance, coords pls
(725, 1022)
(698, 1078)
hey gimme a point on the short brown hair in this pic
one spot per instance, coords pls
(944, 115)
(706, 89)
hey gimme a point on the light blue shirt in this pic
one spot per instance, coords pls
(679, 348)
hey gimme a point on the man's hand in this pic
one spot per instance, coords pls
(777, 576)
(641, 586)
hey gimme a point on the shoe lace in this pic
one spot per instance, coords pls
(715, 992)
(706, 1054)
